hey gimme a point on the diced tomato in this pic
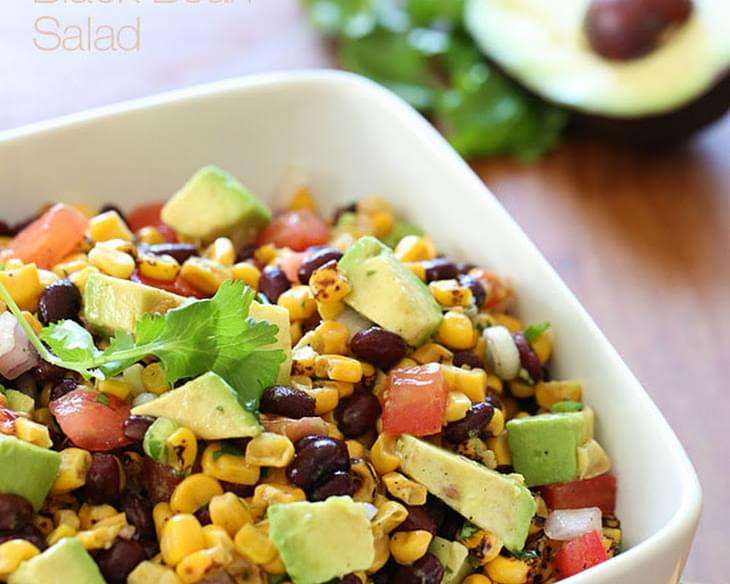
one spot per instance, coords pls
(50, 237)
(297, 230)
(178, 286)
(497, 290)
(294, 429)
(414, 401)
(150, 216)
(596, 492)
(580, 554)
(290, 264)
(91, 420)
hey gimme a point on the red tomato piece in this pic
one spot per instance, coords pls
(91, 420)
(178, 286)
(580, 554)
(50, 237)
(414, 401)
(596, 492)
(167, 232)
(297, 230)
(290, 264)
(144, 216)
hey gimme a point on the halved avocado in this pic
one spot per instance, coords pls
(679, 86)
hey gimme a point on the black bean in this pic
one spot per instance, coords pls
(102, 479)
(27, 384)
(464, 268)
(377, 346)
(151, 547)
(5, 229)
(180, 251)
(317, 460)
(419, 518)
(118, 561)
(478, 291)
(62, 387)
(467, 357)
(273, 283)
(240, 490)
(203, 516)
(139, 513)
(159, 480)
(494, 399)
(357, 414)
(304, 440)
(15, 511)
(60, 300)
(349, 579)
(117, 210)
(246, 252)
(45, 372)
(440, 269)
(29, 533)
(317, 260)
(135, 427)
(340, 483)
(426, 570)
(528, 358)
(287, 401)
(351, 208)
(477, 417)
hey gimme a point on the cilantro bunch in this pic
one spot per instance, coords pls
(215, 334)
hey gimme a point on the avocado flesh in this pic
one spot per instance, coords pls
(213, 203)
(27, 470)
(279, 316)
(19, 402)
(498, 503)
(114, 304)
(155, 440)
(207, 405)
(321, 541)
(454, 557)
(388, 293)
(544, 47)
(65, 561)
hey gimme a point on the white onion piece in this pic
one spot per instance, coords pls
(502, 352)
(567, 524)
(354, 321)
(370, 510)
(17, 355)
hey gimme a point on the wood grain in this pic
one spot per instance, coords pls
(643, 240)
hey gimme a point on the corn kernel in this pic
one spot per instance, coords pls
(476, 579)
(112, 262)
(512, 324)
(149, 572)
(92, 515)
(331, 337)
(33, 433)
(272, 494)
(418, 268)
(405, 363)
(204, 275)
(32, 321)
(67, 517)
(115, 387)
(383, 454)
(103, 533)
(161, 514)
(408, 546)
(382, 222)
(415, 248)
(338, 368)
(192, 568)
(344, 389)
(500, 447)
(494, 384)
(71, 475)
(372, 204)
(548, 393)
(456, 331)
(133, 376)
(70, 264)
(266, 253)
(12, 553)
(182, 535)
(194, 492)
(302, 199)
(150, 235)
(329, 284)
(432, 353)
(330, 310)
(299, 301)
(326, 399)
(185, 446)
(457, 404)
(248, 273)
(449, 293)
(355, 449)
(163, 268)
(472, 382)
(80, 277)
(543, 346)
(219, 543)
(521, 389)
(382, 551)
(269, 449)
(228, 467)
(43, 523)
(24, 285)
(109, 225)
(229, 512)
(254, 545)
(403, 488)
(153, 379)
(496, 424)
(276, 567)
(507, 570)
(483, 545)
(221, 251)
(389, 516)
(59, 533)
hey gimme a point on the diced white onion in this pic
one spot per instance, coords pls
(143, 398)
(17, 355)
(567, 524)
(502, 353)
(370, 510)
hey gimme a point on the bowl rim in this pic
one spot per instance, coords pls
(684, 519)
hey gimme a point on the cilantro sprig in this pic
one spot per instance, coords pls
(214, 334)
(535, 330)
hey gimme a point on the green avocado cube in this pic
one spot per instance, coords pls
(20, 402)
(27, 470)
(65, 561)
(544, 448)
(454, 557)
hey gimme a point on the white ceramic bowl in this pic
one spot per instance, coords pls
(353, 138)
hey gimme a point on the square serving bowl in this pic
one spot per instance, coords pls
(353, 138)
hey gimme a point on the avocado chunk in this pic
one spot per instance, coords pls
(155, 440)
(399, 231)
(388, 293)
(65, 561)
(454, 557)
(27, 470)
(113, 303)
(279, 316)
(213, 203)
(544, 448)
(321, 541)
(499, 503)
(207, 405)
(19, 402)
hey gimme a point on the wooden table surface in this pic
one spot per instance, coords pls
(643, 241)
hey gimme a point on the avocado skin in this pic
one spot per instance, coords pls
(27, 470)
(65, 561)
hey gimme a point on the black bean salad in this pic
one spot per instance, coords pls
(206, 391)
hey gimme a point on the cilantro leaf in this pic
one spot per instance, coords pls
(535, 330)
(526, 555)
(467, 530)
(227, 448)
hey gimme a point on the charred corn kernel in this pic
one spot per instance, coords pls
(500, 447)
(79, 278)
(450, 293)
(59, 533)
(432, 353)
(456, 331)
(112, 262)
(592, 460)
(494, 383)
(326, 399)
(483, 545)
(75, 463)
(161, 514)
(383, 454)
(368, 481)
(164, 268)
(12, 553)
(272, 494)
(149, 572)
(248, 273)
(417, 268)
(382, 551)
(504, 570)
(43, 523)
(331, 337)
(614, 534)
(408, 546)
(476, 579)
(415, 248)
(520, 389)
(228, 467)
(302, 199)
(457, 404)
(109, 225)
(266, 253)
(33, 433)
(115, 387)
(24, 285)
(185, 446)
(472, 382)
(32, 321)
(403, 488)
(496, 424)
(548, 393)
(221, 251)
(299, 301)
(194, 492)
(229, 512)
(275, 567)
(475, 449)
(150, 235)
(103, 533)
(204, 275)
(389, 516)
(330, 310)
(192, 568)
(254, 545)
(182, 535)
(355, 449)
(338, 368)
(543, 346)
(512, 324)
(91, 515)
(269, 449)
(153, 379)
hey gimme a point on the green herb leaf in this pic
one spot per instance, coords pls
(467, 530)
(352, 18)
(526, 555)
(227, 448)
(102, 399)
(533, 331)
